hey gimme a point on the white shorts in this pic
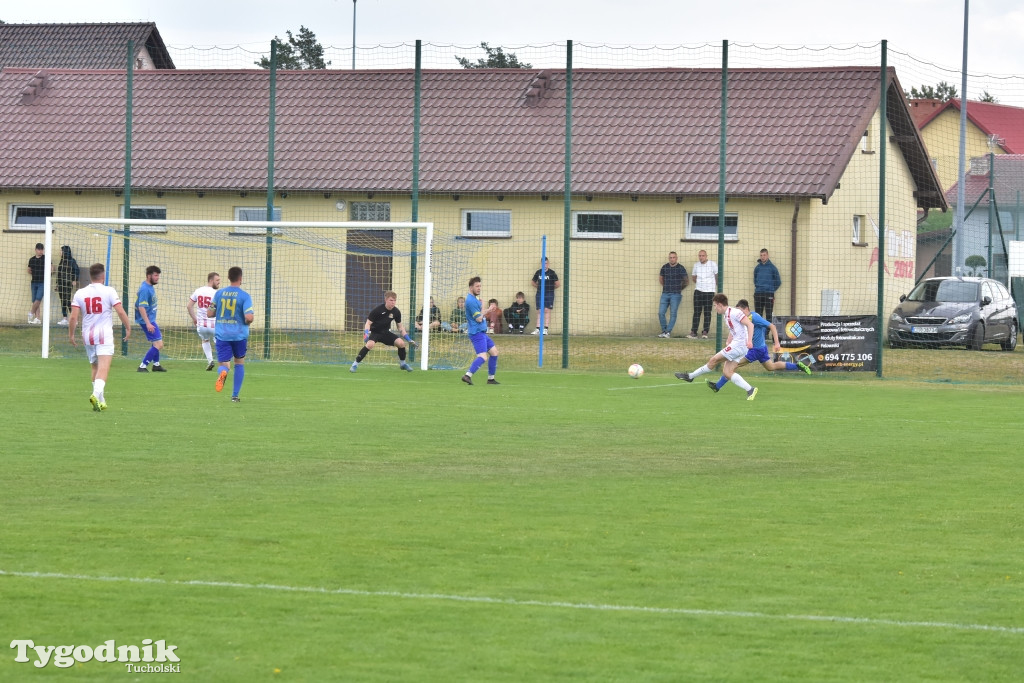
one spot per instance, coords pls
(206, 333)
(94, 350)
(734, 352)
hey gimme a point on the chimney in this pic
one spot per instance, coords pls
(34, 88)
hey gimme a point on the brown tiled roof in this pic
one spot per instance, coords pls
(792, 132)
(78, 46)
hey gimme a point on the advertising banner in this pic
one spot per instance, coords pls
(831, 343)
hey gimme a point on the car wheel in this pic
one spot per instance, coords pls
(1011, 343)
(978, 338)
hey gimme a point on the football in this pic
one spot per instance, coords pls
(636, 371)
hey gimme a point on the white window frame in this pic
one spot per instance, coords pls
(147, 228)
(691, 235)
(576, 234)
(857, 236)
(240, 217)
(467, 232)
(12, 217)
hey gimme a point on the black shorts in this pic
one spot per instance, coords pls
(387, 337)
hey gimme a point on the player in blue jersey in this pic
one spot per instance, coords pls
(482, 344)
(145, 316)
(233, 311)
(759, 352)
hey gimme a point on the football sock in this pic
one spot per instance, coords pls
(492, 366)
(401, 354)
(239, 376)
(791, 366)
(722, 381)
(362, 354)
(97, 388)
(477, 362)
(207, 351)
(150, 356)
(740, 382)
(702, 370)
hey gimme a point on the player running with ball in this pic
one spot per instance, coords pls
(482, 344)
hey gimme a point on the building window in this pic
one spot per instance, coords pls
(371, 211)
(486, 223)
(255, 213)
(29, 216)
(704, 226)
(597, 224)
(865, 142)
(147, 213)
(857, 238)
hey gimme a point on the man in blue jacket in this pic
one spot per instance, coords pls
(766, 282)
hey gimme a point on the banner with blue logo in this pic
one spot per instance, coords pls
(830, 343)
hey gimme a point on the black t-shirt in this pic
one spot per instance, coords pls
(550, 278)
(37, 264)
(674, 278)
(381, 318)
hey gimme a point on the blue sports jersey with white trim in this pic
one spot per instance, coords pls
(146, 298)
(475, 316)
(761, 327)
(231, 305)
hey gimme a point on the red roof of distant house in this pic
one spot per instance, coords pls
(792, 132)
(1003, 121)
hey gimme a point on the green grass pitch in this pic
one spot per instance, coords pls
(388, 526)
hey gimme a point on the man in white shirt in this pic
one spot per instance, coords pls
(705, 280)
(741, 338)
(197, 305)
(94, 303)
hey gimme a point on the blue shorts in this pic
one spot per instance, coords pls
(154, 335)
(481, 342)
(37, 291)
(226, 350)
(549, 299)
(758, 354)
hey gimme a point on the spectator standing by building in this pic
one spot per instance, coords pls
(766, 282)
(37, 269)
(705, 280)
(673, 280)
(551, 283)
(68, 273)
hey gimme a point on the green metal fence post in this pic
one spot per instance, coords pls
(882, 147)
(126, 266)
(272, 131)
(413, 261)
(567, 206)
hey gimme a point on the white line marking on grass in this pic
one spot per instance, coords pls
(525, 603)
(644, 386)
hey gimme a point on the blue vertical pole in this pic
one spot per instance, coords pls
(540, 309)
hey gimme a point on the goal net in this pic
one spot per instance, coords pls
(312, 284)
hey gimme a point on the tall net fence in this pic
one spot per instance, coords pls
(853, 205)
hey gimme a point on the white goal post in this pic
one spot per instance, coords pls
(313, 282)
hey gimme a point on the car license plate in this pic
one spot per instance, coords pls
(924, 329)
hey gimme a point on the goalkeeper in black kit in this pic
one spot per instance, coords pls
(377, 329)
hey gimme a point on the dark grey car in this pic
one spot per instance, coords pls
(955, 311)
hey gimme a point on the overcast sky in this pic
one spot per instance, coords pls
(929, 30)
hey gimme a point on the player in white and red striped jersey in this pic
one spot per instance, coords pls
(741, 338)
(197, 305)
(96, 303)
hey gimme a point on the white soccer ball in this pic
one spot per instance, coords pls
(636, 371)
